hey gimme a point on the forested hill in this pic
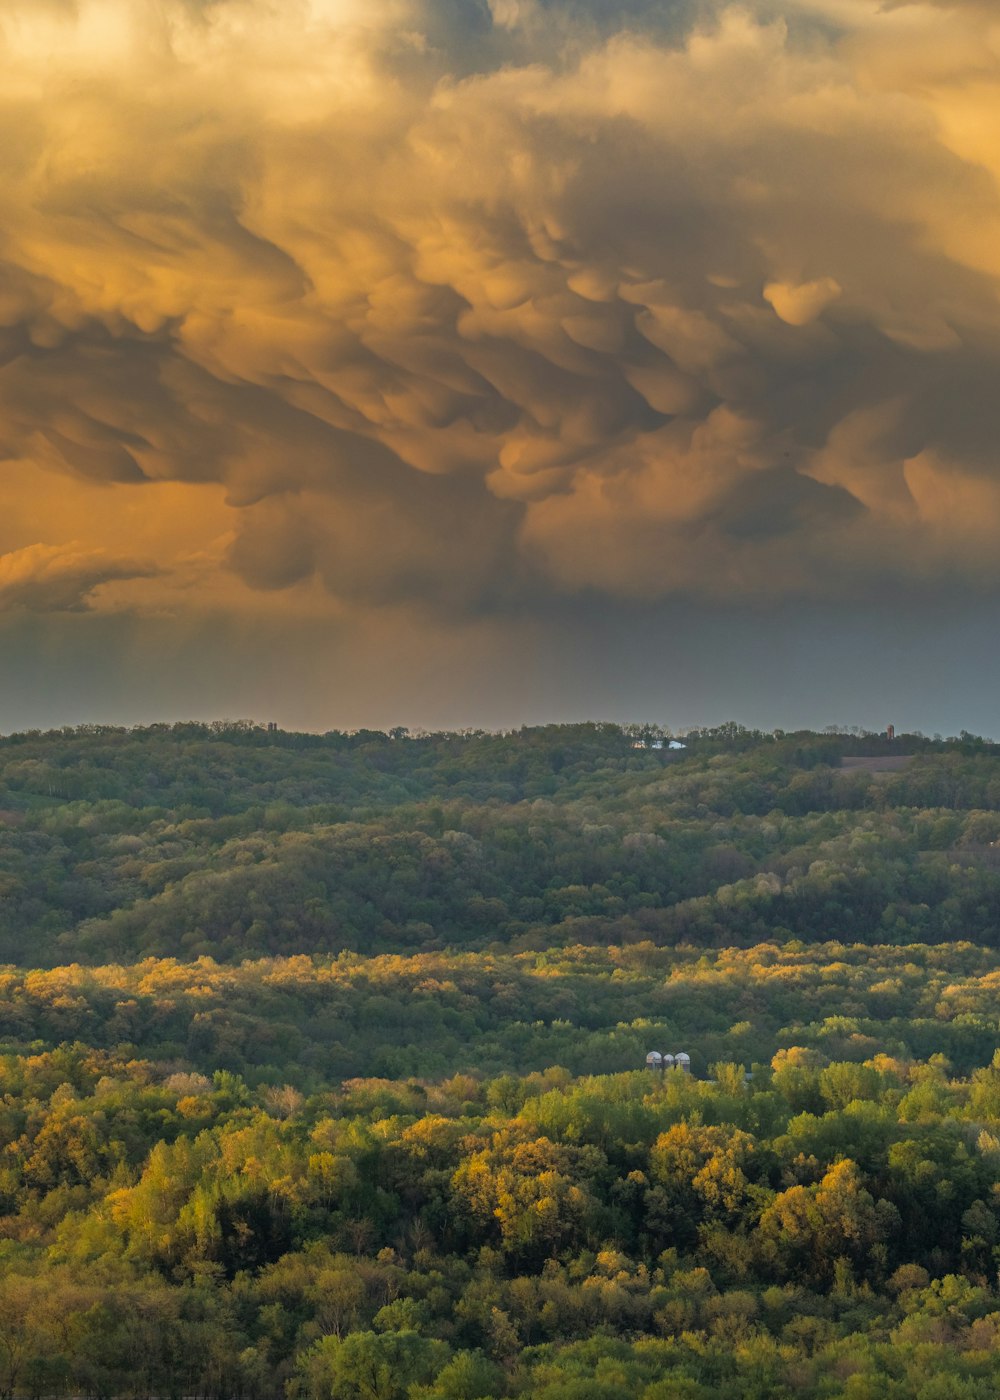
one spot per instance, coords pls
(322, 1066)
(232, 841)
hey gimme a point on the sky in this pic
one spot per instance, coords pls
(484, 362)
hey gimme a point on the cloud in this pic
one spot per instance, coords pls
(45, 579)
(799, 306)
(463, 305)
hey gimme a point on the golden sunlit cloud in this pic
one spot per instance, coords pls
(409, 301)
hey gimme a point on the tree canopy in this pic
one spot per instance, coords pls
(323, 1065)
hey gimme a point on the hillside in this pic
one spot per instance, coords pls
(322, 1065)
(235, 843)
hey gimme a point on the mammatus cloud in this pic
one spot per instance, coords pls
(467, 304)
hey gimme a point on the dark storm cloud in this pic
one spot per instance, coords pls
(468, 304)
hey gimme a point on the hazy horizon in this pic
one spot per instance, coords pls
(405, 361)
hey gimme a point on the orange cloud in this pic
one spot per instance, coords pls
(45, 578)
(408, 302)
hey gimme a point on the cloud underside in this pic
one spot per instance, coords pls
(467, 305)
(45, 578)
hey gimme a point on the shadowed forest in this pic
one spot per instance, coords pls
(322, 1065)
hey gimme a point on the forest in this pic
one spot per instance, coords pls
(323, 1064)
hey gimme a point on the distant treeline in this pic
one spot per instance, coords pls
(728, 735)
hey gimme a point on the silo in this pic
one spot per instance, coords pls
(683, 1061)
(654, 1059)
